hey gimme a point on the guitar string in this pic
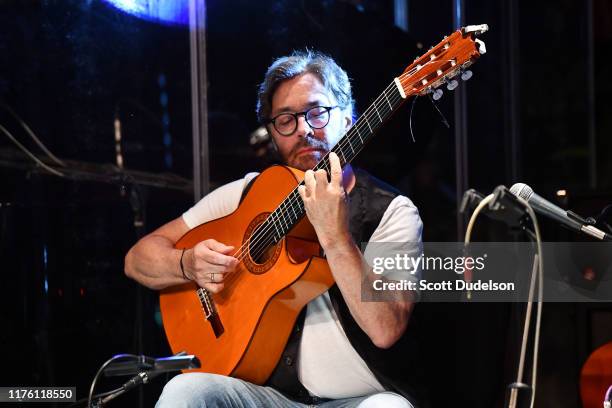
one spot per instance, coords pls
(282, 213)
(261, 244)
(401, 78)
(341, 146)
(263, 238)
(290, 204)
(263, 234)
(241, 251)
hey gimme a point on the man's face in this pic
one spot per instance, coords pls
(306, 146)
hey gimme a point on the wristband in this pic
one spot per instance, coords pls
(181, 264)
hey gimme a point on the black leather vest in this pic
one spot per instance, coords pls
(369, 200)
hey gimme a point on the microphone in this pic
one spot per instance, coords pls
(180, 361)
(177, 362)
(566, 218)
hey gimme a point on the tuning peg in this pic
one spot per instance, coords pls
(465, 75)
(437, 94)
(452, 84)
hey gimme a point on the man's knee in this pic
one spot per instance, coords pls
(386, 400)
(199, 390)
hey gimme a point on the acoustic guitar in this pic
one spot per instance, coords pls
(243, 330)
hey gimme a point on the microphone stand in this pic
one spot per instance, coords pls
(519, 385)
(506, 207)
(514, 211)
(138, 203)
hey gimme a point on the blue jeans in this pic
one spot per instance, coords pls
(201, 390)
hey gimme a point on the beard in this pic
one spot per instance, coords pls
(308, 160)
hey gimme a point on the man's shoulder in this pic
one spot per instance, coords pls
(233, 188)
(219, 202)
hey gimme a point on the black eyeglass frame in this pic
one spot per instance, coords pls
(295, 119)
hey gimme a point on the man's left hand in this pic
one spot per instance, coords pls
(326, 204)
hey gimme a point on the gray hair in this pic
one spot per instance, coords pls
(333, 78)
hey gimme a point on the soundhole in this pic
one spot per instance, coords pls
(263, 251)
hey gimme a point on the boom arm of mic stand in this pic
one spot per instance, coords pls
(141, 378)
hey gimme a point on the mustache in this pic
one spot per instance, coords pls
(310, 142)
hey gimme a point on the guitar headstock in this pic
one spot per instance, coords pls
(442, 63)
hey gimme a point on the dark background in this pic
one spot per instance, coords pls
(69, 68)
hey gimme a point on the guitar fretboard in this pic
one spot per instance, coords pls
(291, 209)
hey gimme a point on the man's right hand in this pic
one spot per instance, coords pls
(209, 264)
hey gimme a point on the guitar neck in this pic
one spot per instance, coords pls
(440, 65)
(291, 209)
(366, 126)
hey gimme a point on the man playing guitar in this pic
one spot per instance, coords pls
(344, 351)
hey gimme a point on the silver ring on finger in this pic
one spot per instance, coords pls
(212, 277)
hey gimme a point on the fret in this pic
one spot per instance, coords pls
(289, 213)
(293, 209)
(339, 148)
(279, 235)
(372, 121)
(278, 226)
(387, 106)
(295, 200)
(390, 107)
(348, 139)
(283, 213)
(365, 117)
(378, 113)
(300, 207)
(322, 165)
(381, 106)
(282, 217)
(359, 134)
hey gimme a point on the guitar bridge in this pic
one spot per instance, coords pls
(210, 312)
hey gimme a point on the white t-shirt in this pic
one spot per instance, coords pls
(328, 366)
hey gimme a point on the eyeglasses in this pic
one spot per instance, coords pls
(286, 123)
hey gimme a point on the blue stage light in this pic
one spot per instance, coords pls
(162, 11)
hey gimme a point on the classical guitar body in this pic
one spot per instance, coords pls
(255, 313)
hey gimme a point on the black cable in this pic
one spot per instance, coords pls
(31, 134)
(444, 121)
(410, 116)
(101, 395)
(601, 218)
(29, 153)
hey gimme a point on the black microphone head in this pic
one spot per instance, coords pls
(522, 190)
